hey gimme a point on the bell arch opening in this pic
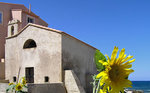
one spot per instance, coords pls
(12, 30)
(29, 44)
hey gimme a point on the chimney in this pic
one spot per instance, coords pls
(29, 8)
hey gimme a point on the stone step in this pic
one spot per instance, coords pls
(4, 81)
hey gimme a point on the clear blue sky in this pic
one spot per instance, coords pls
(102, 24)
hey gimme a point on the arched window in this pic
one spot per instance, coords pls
(29, 44)
(12, 30)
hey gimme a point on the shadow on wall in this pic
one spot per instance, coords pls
(2, 70)
(73, 63)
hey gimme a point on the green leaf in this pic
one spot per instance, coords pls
(11, 87)
(99, 56)
(25, 86)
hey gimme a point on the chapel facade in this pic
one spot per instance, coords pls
(43, 54)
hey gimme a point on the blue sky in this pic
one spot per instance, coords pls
(102, 24)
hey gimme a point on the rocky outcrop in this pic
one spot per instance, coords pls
(134, 91)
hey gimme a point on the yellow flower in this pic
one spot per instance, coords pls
(114, 77)
(11, 84)
(23, 81)
(101, 91)
(19, 87)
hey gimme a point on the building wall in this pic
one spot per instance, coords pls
(10, 13)
(17, 14)
(6, 10)
(79, 58)
(2, 70)
(45, 58)
(37, 20)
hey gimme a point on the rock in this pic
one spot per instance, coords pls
(134, 91)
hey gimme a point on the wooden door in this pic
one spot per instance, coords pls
(30, 74)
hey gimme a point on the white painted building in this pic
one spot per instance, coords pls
(42, 54)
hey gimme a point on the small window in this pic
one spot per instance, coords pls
(14, 79)
(30, 20)
(12, 30)
(1, 17)
(46, 79)
(29, 44)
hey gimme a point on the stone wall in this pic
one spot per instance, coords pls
(46, 88)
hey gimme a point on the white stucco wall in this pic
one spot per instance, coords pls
(45, 58)
(79, 57)
(55, 51)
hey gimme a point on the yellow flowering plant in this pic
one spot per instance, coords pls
(19, 87)
(113, 72)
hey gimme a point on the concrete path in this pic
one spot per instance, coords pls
(3, 87)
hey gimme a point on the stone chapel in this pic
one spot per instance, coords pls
(43, 55)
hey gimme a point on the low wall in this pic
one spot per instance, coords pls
(72, 83)
(46, 88)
